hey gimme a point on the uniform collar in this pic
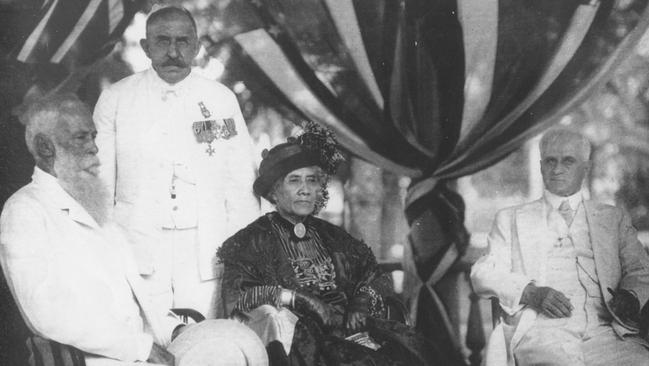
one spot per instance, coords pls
(59, 199)
(555, 201)
(157, 83)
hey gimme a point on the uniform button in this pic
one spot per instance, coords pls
(175, 208)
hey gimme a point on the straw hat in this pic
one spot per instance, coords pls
(218, 342)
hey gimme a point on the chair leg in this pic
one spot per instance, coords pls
(475, 337)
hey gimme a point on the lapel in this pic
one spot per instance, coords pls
(602, 237)
(531, 239)
(59, 199)
(80, 215)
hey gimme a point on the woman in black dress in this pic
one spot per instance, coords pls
(323, 287)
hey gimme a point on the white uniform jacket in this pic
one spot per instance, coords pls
(516, 257)
(74, 282)
(134, 138)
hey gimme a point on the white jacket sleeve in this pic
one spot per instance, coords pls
(492, 275)
(242, 207)
(57, 299)
(104, 116)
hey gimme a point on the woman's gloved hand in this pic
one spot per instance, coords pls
(357, 312)
(307, 302)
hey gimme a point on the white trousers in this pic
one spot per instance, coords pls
(176, 280)
(561, 347)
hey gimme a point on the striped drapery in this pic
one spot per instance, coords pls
(434, 90)
(60, 41)
(75, 33)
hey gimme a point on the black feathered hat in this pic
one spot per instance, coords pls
(316, 146)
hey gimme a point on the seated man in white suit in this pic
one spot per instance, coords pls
(569, 273)
(72, 275)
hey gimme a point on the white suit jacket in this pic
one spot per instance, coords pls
(74, 282)
(516, 258)
(132, 141)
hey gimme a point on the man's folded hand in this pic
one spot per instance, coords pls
(626, 307)
(547, 300)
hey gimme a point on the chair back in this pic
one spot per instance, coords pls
(187, 315)
(496, 311)
(397, 310)
(44, 352)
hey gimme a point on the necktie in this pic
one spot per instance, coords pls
(566, 212)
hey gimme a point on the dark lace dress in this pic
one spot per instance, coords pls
(266, 256)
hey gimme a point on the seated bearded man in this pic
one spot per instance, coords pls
(312, 292)
(70, 271)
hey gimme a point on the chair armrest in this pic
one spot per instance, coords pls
(496, 311)
(186, 314)
(397, 310)
(44, 352)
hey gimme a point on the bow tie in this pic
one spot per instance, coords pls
(169, 93)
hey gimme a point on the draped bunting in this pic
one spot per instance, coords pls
(75, 33)
(56, 43)
(434, 90)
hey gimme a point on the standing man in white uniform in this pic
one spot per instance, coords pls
(177, 159)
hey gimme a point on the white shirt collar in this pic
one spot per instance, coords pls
(158, 84)
(51, 184)
(555, 201)
(60, 198)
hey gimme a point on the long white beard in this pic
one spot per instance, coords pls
(84, 187)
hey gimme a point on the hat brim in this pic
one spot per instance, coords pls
(218, 342)
(264, 183)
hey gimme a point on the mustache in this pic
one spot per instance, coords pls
(174, 62)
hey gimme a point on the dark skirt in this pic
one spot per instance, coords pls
(314, 344)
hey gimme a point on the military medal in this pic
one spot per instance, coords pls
(209, 130)
(204, 129)
(206, 112)
(210, 150)
(229, 129)
(299, 230)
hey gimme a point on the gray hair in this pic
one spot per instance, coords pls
(164, 12)
(566, 136)
(45, 115)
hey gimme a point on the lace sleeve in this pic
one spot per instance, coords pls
(376, 305)
(256, 296)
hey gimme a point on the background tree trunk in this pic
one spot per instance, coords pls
(364, 193)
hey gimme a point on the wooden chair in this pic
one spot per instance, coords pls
(496, 311)
(397, 310)
(45, 352)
